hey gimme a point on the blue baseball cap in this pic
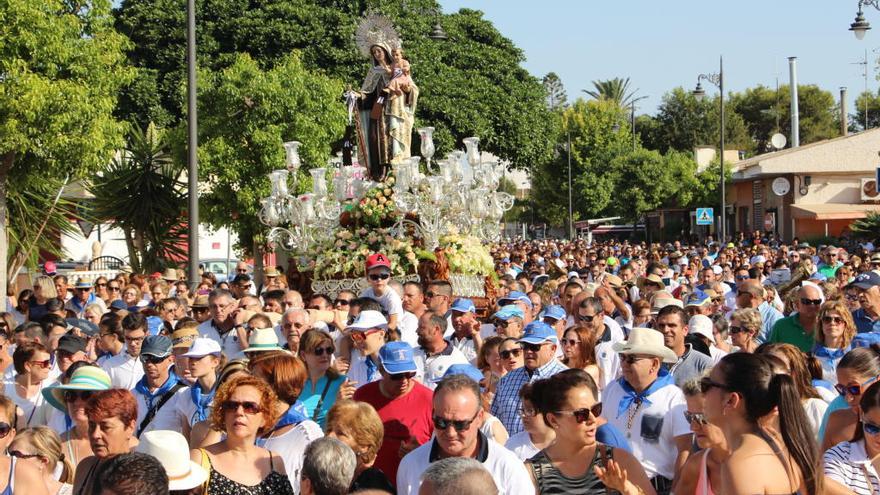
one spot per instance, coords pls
(156, 345)
(154, 325)
(397, 357)
(699, 298)
(508, 312)
(538, 332)
(820, 277)
(467, 370)
(505, 260)
(866, 280)
(554, 312)
(119, 304)
(514, 296)
(463, 305)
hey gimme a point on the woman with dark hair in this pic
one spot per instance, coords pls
(489, 362)
(579, 349)
(536, 435)
(742, 389)
(293, 431)
(796, 365)
(576, 462)
(848, 465)
(323, 383)
(32, 364)
(856, 370)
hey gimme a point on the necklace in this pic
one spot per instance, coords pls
(631, 414)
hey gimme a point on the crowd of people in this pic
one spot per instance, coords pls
(597, 367)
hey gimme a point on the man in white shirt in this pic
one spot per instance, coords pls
(157, 387)
(125, 369)
(432, 346)
(409, 322)
(378, 276)
(466, 337)
(457, 420)
(221, 326)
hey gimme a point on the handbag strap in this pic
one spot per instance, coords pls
(321, 400)
(156, 406)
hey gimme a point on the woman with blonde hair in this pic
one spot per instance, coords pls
(834, 336)
(44, 290)
(322, 386)
(16, 477)
(41, 447)
(359, 426)
(745, 326)
(131, 295)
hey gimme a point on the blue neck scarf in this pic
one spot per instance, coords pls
(294, 415)
(827, 353)
(201, 400)
(372, 368)
(142, 389)
(664, 378)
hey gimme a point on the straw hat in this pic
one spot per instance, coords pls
(654, 279)
(85, 378)
(170, 275)
(171, 449)
(263, 340)
(271, 271)
(645, 341)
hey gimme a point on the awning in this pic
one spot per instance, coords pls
(833, 211)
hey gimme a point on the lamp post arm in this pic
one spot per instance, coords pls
(872, 3)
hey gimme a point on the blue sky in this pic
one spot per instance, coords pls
(663, 44)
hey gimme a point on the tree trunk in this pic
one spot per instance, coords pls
(258, 265)
(5, 168)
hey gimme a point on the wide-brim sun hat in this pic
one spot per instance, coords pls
(645, 341)
(85, 378)
(263, 340)
(171, 449)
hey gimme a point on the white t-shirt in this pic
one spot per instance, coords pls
(506, 468)
(390, 301)
(36, 410)
(609, 362)
(228, 342)
(653, 428)
(357, 371)
(124, 369)
(815, 409)
(467, 347)
(521, 445)
(423, 362)
(408, 327)
(165, 418)
(291, 447)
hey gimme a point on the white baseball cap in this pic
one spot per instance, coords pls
(203, 346)
(368, 319)
(702, 325)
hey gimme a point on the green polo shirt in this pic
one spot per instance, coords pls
(789, 330)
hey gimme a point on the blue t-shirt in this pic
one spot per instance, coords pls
(310, 397)
(610, 435)
(838, 403)
(864, 323)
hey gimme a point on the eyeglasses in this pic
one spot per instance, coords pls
(832, 319)
(101, 285)
(742, 277)
(359, 335)
(460, 425)
(73, 395)
(83, 289)
(249, 407)
(502, 324)
(342, 302)
(46, 364)
(134, 340)
(400, 376)
(527, 347)
(379, 276)
(150, 359)
(586, 318)
(21, 455)
(583, 415)
(5, 428)
(852, 297)
(870, 428)
(707, 384)
(853, 390)
(691, 417)
(510, 352)
(199, 310)
(113, 288)
(526, 412)
(570, 342)
(320, 351)
(810, 302)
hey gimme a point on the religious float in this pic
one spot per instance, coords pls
(432, 218)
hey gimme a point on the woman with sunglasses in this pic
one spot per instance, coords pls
(834, 336)
(293, 431)
(32, 364)
(701, 473)
(579, 349)
(112, 421)
(856, 370)
(739, 392)
(131, 295)
(40, 447)
(203, 359)
(849, 464)
(745, 327)
(16, 477)
(236, 464)
(576, 462)
(101, 288)
(71, 398)
(322, 387)
(511, 354)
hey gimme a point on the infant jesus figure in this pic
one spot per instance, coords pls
(400, 75)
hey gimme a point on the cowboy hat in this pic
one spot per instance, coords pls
(645, 341)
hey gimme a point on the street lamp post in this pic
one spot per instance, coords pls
(192, 144)
(700, 93)
(633, 118)
(570, 210)
(860, 26)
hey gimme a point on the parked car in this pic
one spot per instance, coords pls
(220, 268)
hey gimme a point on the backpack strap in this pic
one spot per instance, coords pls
(156, 406)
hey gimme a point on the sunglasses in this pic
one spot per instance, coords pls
(199, 310)
(5, 428)
(742, 277)
(249, 407)
(700, 418)
(852, 297)
(379, 276)
(586, 318)
(853, 390)
(150, 359)
(400, 376)
(113, 288)
(42, 364)
(22, 455)
(73, 395)
(357, 335)
(707, 384)
(100, 285)
(735, 330)
(460, 425)
(832, 319)
(583, 415)
(571, 342)
(342, 302)
(810, 302)
(320, 351)
(527, 347)
(510, 352)
(631, 358)
(869, 428)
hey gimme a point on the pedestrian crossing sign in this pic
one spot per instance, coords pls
(705, 216)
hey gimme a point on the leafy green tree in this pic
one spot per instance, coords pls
(868, 227)
(246, 113)
(872, 101)
(616, 90)
(556, 96)
(141, 193)
(473, 83)
(63, 65)
(646, 180)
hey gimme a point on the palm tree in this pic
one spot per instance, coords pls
(616, 90)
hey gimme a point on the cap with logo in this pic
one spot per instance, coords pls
(156, 345)
(538, 332)
(866, 280)
(377, 260)
(699, 298)
(515, 296)
(463, 305)
(554, 312)
(397, 357)
(467, 370)
(508, 312)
